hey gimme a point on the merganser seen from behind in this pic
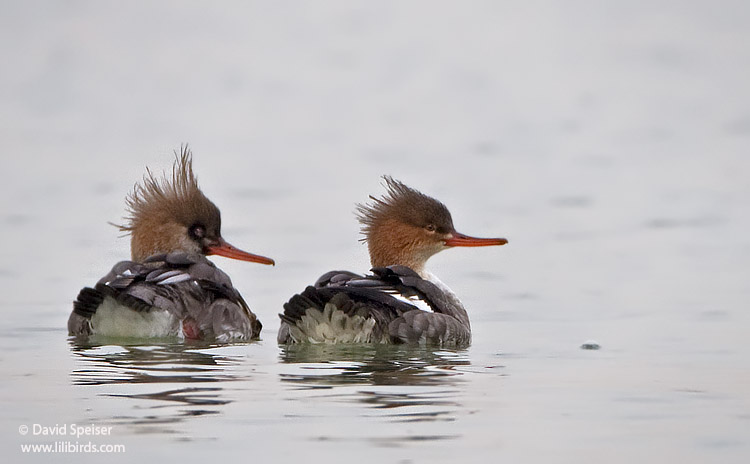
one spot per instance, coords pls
(403, 229)
(169, 288)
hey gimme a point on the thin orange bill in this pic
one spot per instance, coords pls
(228, 251)
(464, 240)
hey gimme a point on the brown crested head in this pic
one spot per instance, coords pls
(172, 214)
(407, 227)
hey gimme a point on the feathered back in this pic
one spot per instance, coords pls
(405, 205)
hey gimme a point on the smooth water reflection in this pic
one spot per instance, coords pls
(155, 384)
(159, 388)
(389, 384)
(330, 365)
(169, 363)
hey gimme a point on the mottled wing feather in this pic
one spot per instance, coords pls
(336, 278)
(375, 296)
(153, 283)
(87, 301)
(435, 328)
(406, 282)
(186, 285)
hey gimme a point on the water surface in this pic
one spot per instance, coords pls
(608, 143)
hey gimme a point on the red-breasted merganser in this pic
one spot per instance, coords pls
(402, 230)
(169, 289)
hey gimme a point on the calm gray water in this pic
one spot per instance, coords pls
(609, 144)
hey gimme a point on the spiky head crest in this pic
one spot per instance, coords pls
(404, 226)
(406, 205)
(165, 214)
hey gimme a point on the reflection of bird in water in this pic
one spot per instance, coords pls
(155, 373)
(372, 365)
(169, 289)
(400, 383)
(402, 230)
(165, 363)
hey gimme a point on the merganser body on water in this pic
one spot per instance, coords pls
(403, 229)
(169, 289)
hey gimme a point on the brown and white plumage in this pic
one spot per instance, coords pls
(402, 229)
(169, 288)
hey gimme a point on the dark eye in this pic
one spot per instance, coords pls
(430, 227)
(197, 231)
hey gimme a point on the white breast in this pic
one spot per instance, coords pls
(449, 295)
(429, 276)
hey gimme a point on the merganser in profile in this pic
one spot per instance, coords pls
(402, 229)
(169, 289)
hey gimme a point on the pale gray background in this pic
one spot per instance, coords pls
(608, 141)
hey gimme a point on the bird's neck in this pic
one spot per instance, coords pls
(391, 243)
(154, 238)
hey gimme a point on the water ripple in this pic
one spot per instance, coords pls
(131, 373)
(176, 363)
(381, 383)
(327, 365)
